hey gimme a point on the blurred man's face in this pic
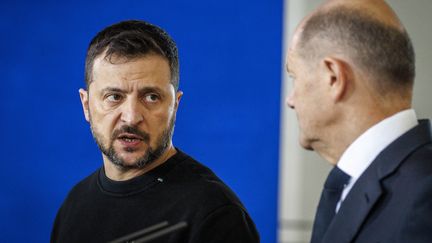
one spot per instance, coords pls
(131, 106)
(306, 98)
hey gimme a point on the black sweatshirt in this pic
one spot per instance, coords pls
(100, 210)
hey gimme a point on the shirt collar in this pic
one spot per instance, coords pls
(360, 154)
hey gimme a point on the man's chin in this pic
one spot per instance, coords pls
(306, 144)
(131, 159)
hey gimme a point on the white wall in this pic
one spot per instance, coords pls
(417, 18)
(302, 173)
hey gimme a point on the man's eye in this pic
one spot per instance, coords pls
(151, 98)
(114, 97)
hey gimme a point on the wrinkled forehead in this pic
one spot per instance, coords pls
(293, 61)
(294, 43)
(293, 46)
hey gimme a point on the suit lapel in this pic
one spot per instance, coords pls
(354, 210)
(367, 190)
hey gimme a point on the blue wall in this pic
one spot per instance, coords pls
(230, 55)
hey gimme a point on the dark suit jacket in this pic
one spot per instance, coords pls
(392, 200)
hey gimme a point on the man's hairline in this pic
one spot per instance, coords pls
(103, 56)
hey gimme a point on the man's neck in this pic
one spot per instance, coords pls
(354, 125)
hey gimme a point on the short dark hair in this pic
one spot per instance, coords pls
(132, 39)
(384, 51)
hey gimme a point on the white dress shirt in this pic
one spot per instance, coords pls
(360, 154)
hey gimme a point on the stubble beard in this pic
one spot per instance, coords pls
(150, 155)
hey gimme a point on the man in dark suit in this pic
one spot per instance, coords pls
(353, 69)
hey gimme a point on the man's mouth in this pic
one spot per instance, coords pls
(129, 138)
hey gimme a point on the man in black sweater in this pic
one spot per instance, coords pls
(131, 102)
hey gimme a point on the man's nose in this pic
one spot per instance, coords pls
(131, 112)
(290, 101)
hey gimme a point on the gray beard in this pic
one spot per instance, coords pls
(151, 155)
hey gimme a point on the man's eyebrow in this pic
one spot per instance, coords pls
(141, 91)
(146, 90)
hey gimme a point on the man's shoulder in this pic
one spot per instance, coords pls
(201, 183)
(214, 206)
(84, 189)
(84, 186)
(420, 162)
(191, 169)
(411, 154)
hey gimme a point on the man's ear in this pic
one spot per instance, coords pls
(178, 96)
(85, 103)
(338, 75)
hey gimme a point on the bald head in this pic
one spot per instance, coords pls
(367, 33)
(377, 9)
